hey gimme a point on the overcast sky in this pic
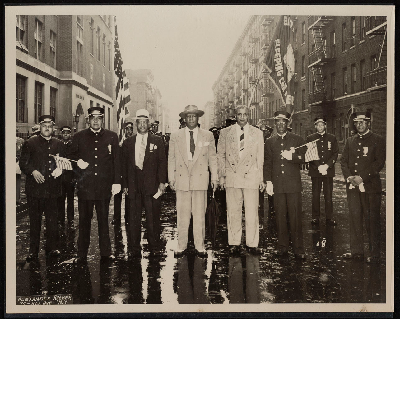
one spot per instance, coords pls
(186, 47)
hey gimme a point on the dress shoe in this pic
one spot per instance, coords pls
(331, 222)
(54, 253)
(315, 221)
(281, 253)
(300, 256)
(350, 256)
(234, 250)
(254, 250)
(202, 254)
(180, 253)
(373, 260)
(32, 257)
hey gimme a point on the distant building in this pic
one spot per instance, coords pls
(340, 67)
(207, 120)
(65, 64)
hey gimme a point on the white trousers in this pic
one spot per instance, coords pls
(192, 202)
(234, 205)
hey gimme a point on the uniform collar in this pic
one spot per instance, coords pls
(100, 132)
(365, 135)
(46, 139)
(281, 136)
(323, 134)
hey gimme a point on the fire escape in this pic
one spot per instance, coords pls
(318, 58)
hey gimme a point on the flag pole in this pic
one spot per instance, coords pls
(305, 144)
(62, 157)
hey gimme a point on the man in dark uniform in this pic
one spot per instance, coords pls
(118, 197)
(99, 176)
(363, 157)
(322, 171)
(43, 185)
(144, 174)
(68, 185)
(282, 176)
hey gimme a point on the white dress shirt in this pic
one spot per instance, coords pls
(246, 135)
(138, 144)
(187, 133)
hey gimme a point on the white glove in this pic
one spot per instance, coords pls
(361, 187)
(82, 164)
(270, 188)
(288, 154)
(116, 188)
(57, 172)
(323, 169)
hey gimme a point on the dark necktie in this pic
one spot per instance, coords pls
(242, 139)
(192, 146)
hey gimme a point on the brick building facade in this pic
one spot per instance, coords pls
(64, 65)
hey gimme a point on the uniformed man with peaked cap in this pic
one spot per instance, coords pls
(99, 176)
(322, 171)
(363, 158)
(43, 185)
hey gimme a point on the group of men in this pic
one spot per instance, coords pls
(243, 162)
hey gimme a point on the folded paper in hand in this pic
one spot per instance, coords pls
(159, 193)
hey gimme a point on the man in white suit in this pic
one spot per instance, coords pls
(191, 154)
(240, 169)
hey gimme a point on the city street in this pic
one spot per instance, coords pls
(324, 277)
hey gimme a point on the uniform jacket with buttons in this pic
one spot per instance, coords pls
(284, 174)
(192, 175)
(154, 164)
(364, 156)
(328, 151)
(241, 172)
(35, 155)
(102, 152)
(68, 176)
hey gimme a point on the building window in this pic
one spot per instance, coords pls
(53, 42)
(333, 44)
(109, 21)
(53, 102)
(303, 99)
(353, 78)
(79, 28)
(344, 33)
(353, 32)
(98, 43)
(20, 34)
(303, 32)
(104, 50)
(109, 56)
(79, 59)
(374, 62)
(21, 98)
(363, 78)
(362, 28)
(92, 36)
(344, 80)
(38, 102)
(295, 35)
(109, 117)
(342, 128)
(333, 86)
(38, 40)
(303, 66)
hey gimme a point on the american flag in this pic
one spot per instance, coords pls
(312, 151)
(122, 88)
(63, 163)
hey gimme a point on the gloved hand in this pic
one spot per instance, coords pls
(288, 154)
(270, 188)
(323, 169)
(57, 172)
(82, 164)
(116, 188)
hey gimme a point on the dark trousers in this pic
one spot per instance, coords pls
(367, 207)
(288, 206)
(317, 184)
(67, 193)
(152, 208)
(117, 207)
(38, 206)
(85, 208)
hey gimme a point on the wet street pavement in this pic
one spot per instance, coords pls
(323, 278)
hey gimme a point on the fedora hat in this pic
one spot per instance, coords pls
(191, 110)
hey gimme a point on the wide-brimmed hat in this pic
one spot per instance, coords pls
(361, 116)
(142, 114)
(281, 115)
(191, 110)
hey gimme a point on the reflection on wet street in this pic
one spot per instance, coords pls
(220, 278)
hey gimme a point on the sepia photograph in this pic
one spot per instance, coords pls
(199, 159)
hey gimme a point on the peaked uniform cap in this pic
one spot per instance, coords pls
(281, 115)
(99, 111)
(46, 118)
(361, 116)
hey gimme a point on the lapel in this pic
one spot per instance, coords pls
(233, 143)
(197, 150)
(248, 146)
(132, 150)
(147, 152)
(182, 145)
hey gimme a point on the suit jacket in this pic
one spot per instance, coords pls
(154, 165)
(102, 152)
(247, 171)
(284, 174)
(364, 157)
(328, 151)
(35, 155)
(194, 175)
